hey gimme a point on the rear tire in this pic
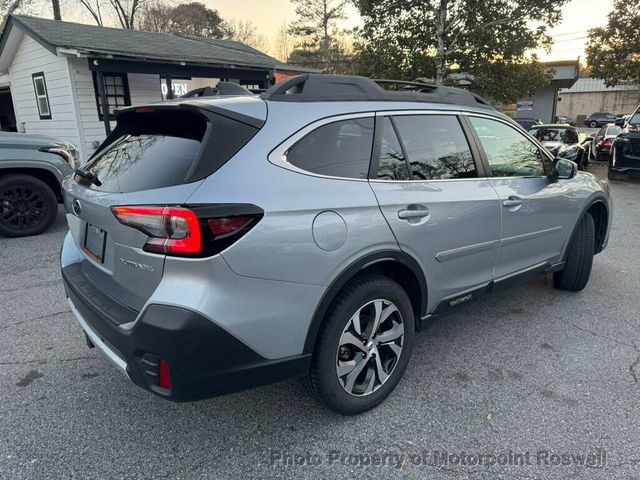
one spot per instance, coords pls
(593, 124)
(27, 206)
(577, 270)
(351, 378)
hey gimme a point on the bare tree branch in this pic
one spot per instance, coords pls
(12, 8)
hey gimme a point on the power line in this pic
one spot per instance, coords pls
(581, 32)
(571, 39)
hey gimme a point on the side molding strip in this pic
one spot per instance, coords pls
(529, 236)
(464, 251)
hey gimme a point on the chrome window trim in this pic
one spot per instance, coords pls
(278, 155)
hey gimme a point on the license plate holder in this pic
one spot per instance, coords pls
(94, 242)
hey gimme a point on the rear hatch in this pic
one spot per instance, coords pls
(155, 158)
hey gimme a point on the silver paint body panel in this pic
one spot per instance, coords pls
(265, 288)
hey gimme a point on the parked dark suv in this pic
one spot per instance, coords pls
(32, 168)
(625, 153)
(599, 119)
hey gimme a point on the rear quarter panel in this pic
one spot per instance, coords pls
(284, 245)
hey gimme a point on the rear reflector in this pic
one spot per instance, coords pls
(164, 377)
(223, 227)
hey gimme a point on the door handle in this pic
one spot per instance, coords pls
(412, 214)
(512, 202)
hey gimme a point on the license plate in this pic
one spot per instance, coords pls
(94, 242)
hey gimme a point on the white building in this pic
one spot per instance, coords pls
(54, 76)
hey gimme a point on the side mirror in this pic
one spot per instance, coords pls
(564, 169)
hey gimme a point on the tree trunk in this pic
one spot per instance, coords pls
(441, 27)
(56, 9)
(326, 43)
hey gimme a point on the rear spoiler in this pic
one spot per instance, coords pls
(193, 105)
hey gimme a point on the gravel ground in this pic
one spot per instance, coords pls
(528, 370)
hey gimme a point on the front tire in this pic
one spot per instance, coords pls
(27, 206)
(577, 270)
(364, 345)
(593, 124)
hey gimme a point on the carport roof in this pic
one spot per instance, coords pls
(99, 41)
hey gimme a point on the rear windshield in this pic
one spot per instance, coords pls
(163, 148)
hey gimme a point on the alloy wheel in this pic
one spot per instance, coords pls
(21, 207)
(369, 347)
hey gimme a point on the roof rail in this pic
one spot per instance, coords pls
(417, 86)
(335, 88)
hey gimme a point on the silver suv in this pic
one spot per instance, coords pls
(220, 244)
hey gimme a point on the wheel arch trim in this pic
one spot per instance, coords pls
(350, 272)
(594, 199)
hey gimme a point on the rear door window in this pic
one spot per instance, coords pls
(392, 165)
(337, 149)
(436, 146)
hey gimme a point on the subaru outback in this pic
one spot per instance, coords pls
(220, 244)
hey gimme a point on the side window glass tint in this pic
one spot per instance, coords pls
(338, 149)
(509, 152)
(436, 147)
(391, 163)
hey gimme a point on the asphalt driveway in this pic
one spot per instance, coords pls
(529, 383)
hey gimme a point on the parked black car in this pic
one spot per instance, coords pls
(625, 157)
(599, 119)
(527, 123)
(562, 141)
(621, 120)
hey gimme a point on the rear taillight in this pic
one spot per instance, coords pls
(196, 231)
(171, 230)
(606, 143)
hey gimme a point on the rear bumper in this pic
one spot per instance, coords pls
(204, 360)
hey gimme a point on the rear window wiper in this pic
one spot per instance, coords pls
(88, 176)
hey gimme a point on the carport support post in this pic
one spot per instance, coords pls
(169, 87)
(102, 91)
